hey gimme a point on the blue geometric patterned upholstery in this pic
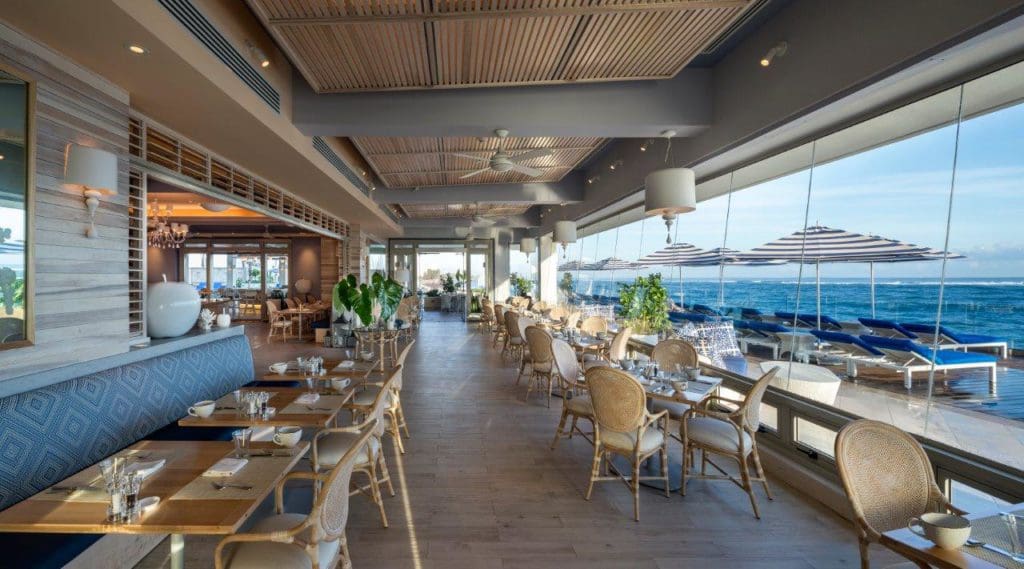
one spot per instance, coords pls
(50, 433)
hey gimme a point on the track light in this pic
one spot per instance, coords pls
(646, 145)
(779, 50)
(258, 54)
(593, 179)
(136, 49)
(614, 165)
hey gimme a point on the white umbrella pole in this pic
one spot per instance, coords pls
(871, 270)
(817, 287)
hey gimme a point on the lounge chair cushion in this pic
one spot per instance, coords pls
(270, 555)
(650, 440)
(716, 433)
(332, 447)
(942, 357)
(841, 339)
(877, 324)
(958, 337)
(580, 405)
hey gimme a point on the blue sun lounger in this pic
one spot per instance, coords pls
(828, 323)
(680, 317)
(887, 329)
(909, 356)
(706, 310)
(766, 334)
(950, 339)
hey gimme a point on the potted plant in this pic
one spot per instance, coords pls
(521, 286)
(644, 306)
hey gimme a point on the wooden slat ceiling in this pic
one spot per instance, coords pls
(409, 162)
(428, 211)
(368, 45)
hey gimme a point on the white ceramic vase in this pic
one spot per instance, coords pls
(171, 308)
(223, 320)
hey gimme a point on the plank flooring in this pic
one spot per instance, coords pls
(479, 488)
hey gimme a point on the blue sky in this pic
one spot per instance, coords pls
(900, 191)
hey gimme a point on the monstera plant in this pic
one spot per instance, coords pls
(373, 302)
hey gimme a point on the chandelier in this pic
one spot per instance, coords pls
(162, 233)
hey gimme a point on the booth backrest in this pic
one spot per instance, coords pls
(55, 431)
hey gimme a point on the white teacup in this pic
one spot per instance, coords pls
(340, 383)
(287, 436)
(202, 409)
(947, 531)
(279, 367)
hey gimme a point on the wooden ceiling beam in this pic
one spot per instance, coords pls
(666, 6)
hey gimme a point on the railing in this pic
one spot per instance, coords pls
(160, 147)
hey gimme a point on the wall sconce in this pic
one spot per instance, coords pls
(615, 165)
(778, 50)
(95, 172)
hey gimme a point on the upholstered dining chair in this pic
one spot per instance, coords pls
(624, 427)
(575, 403)
(331, 443)
(888, 480)
(315, 540)
(730, 434)
(394, 415)
(541, 360)
(594, 325)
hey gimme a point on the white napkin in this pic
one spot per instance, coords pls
(145, 469)
(226, 467)
(345, 364)
(307, 398)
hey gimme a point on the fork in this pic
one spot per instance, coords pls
(223, 485)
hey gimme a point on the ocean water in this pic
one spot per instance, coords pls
(983, 306)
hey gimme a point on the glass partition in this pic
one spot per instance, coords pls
(14, 191)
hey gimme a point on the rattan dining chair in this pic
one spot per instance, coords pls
(498, 327)
(730, 434)
(557, 313)
(576, 399)
(282, 323)
(330, 444)
(522, 323)
(572, 319)
(541, 361)
(315, 540)
(615, 351)
(593, 325)
(673, 354)
(888, 480)
(362, 403)
(514, 342)
(624, 427)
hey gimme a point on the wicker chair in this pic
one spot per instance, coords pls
(670, 355)
(623, 426)
(498, 327)
(541, 360)
(888, 480)
(282, 323)
(362, 403)
(729, 434)
(593, 325)
(615, 352)
(573, 404)
(557, 313)
(514, 342)
(293, 540)
(522, 323)
(332, 443)
(572, 319)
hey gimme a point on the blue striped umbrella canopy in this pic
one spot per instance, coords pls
(12, 246)
(675, 255)
(609, 264)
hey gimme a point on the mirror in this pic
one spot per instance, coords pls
(14, 191)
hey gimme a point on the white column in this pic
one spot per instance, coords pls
(547, 259)
(502, 266)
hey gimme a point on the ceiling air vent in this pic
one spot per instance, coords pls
(204, 31)
(324, 149)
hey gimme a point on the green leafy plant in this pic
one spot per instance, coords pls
(346, 293)
(433, 292)
(448, 283)
(644, 304)
(567, 285)
(521, 286)
(380, 294)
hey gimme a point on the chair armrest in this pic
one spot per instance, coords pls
(707, 413)
(295, 475)
(283, 536)
(329, 430)
(713, 398)
(944, 503)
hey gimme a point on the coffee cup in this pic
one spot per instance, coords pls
(287, 436)
(340, 383)
(947, 531)
(279, 367)
(202, 409)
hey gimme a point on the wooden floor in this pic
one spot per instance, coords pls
(479, 488)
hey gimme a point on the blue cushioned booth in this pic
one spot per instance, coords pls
(54, 431)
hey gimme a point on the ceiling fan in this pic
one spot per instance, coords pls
(502, 161)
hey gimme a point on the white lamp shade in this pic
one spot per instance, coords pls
(565, 232)
(670, 191)
(91, 168)
(528, 245)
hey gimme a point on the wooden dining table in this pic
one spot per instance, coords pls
(358, 371)
(301, 312)
(187, 506)
(288, 412)
(916, 548)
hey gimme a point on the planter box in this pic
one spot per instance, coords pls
(432, 303)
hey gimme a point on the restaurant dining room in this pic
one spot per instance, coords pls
(645, 284)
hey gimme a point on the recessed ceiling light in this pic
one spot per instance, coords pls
(1, 156)
(136, 49)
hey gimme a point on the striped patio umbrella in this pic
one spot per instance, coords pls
(675, 255)
(609, 264)
(820, 244)
(12, 246)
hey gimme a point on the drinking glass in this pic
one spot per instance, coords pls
(301, 363)
(348, 355)
(132, 485)
(241, 438)
(311, 385)
(109, 470)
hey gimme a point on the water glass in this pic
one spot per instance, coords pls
(311, 385)
(132, 485)
(241, 438)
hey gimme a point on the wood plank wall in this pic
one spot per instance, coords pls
(80, 284)
(330, 266)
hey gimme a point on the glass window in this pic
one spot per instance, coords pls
(195, 270)
(971, 499)
(277, 272)
(814, 436)
(14, 94)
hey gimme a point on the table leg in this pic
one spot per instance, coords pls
(177, 551)
(382, 353)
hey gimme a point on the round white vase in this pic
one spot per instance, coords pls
(223, 320)
(171, 308)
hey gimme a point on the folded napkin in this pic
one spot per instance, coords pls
(145, 469)
(226, 467)
(345, 364)
(307, 398)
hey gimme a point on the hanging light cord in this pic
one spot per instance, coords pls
(725, 242)
(945, 254)
(803, 257)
